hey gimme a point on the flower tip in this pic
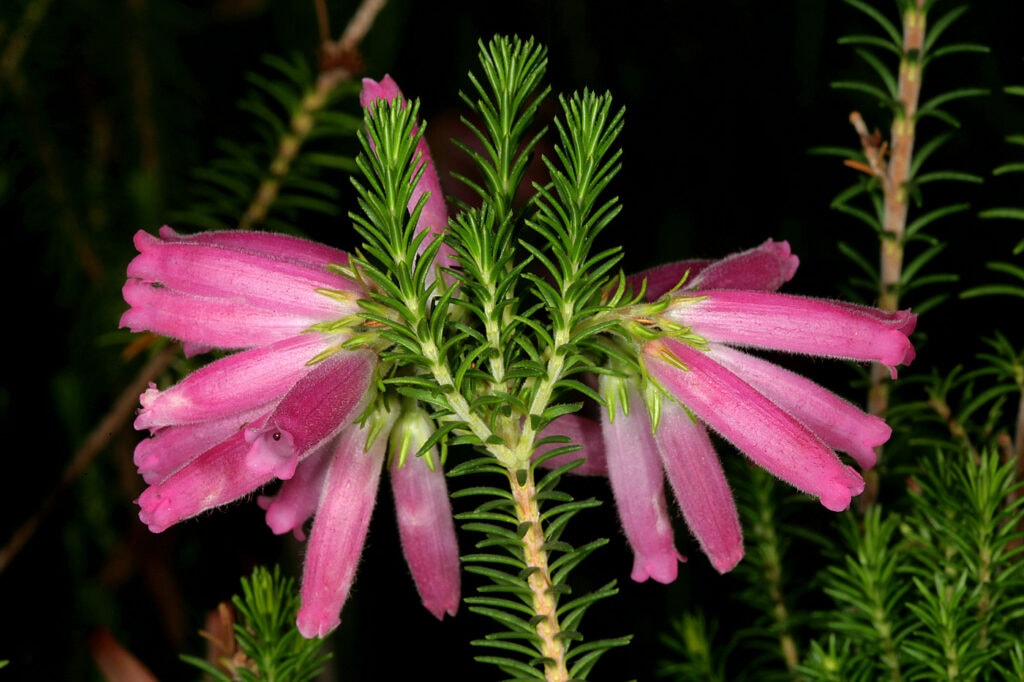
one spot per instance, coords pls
(373, 90)
(840, 495)
(907, 321)
(788, 261)
(314, 622)
(281, 519)
(168, 233)
(440, 608)
(873, 433)
(154, 510)
(726, 561)
(662, 569)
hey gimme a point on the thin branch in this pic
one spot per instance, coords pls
(339, 63)
(118, 415)
(21, 36)
(894, 176)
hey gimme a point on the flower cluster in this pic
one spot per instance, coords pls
(297, 403)
(694, 377)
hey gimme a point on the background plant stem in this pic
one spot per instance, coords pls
(894, 175)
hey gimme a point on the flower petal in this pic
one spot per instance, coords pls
(251, 278)
(703, 494)
(296, 501)
(427, 530)
(271, 244)
(233, 384)
(204, 323)
(795, 324)
(638, 485)
(218, 476)
(661, 279)
(321, 403)
(754, 424)
(839, 423)
(339, 529)
(763, 268)
(172, 447)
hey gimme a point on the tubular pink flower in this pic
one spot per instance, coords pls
(427, 530)
(214, 391)
(701, 490)
(841, 425)
(785, 423)
(296, 501)
(172, 447)
(339, 529)
(275, 410)
(321, 403)
(638, 486)
(434, 216)
(754, 424)
(251, 457)
(176, 287)
(284, 406)
(763, 268)
(795, 324)
(214, 478)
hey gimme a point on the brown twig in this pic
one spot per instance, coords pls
(893, 172)
(21, 36)
(142, 92)
(120, 412)
(339, 61)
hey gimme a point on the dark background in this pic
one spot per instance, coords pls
(114, 104)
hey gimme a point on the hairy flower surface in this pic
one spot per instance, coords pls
(296, 403)
(694, 377)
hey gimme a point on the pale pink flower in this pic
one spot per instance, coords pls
(284, 407)
(424, 514)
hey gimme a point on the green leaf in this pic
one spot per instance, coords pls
(928, 218)
(1009, 168)
(1010, 212)
(873, 41)
(887, 26)
(883, 72)
(931, 106)
(872, 90)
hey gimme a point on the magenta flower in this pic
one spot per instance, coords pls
(434, 216)
(287, 407)
(695, 378)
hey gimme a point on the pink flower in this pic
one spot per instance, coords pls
(285, 407)
(695, 378)
(434, 216)
(424, 514)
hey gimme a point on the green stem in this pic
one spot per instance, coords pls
(766, 540)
